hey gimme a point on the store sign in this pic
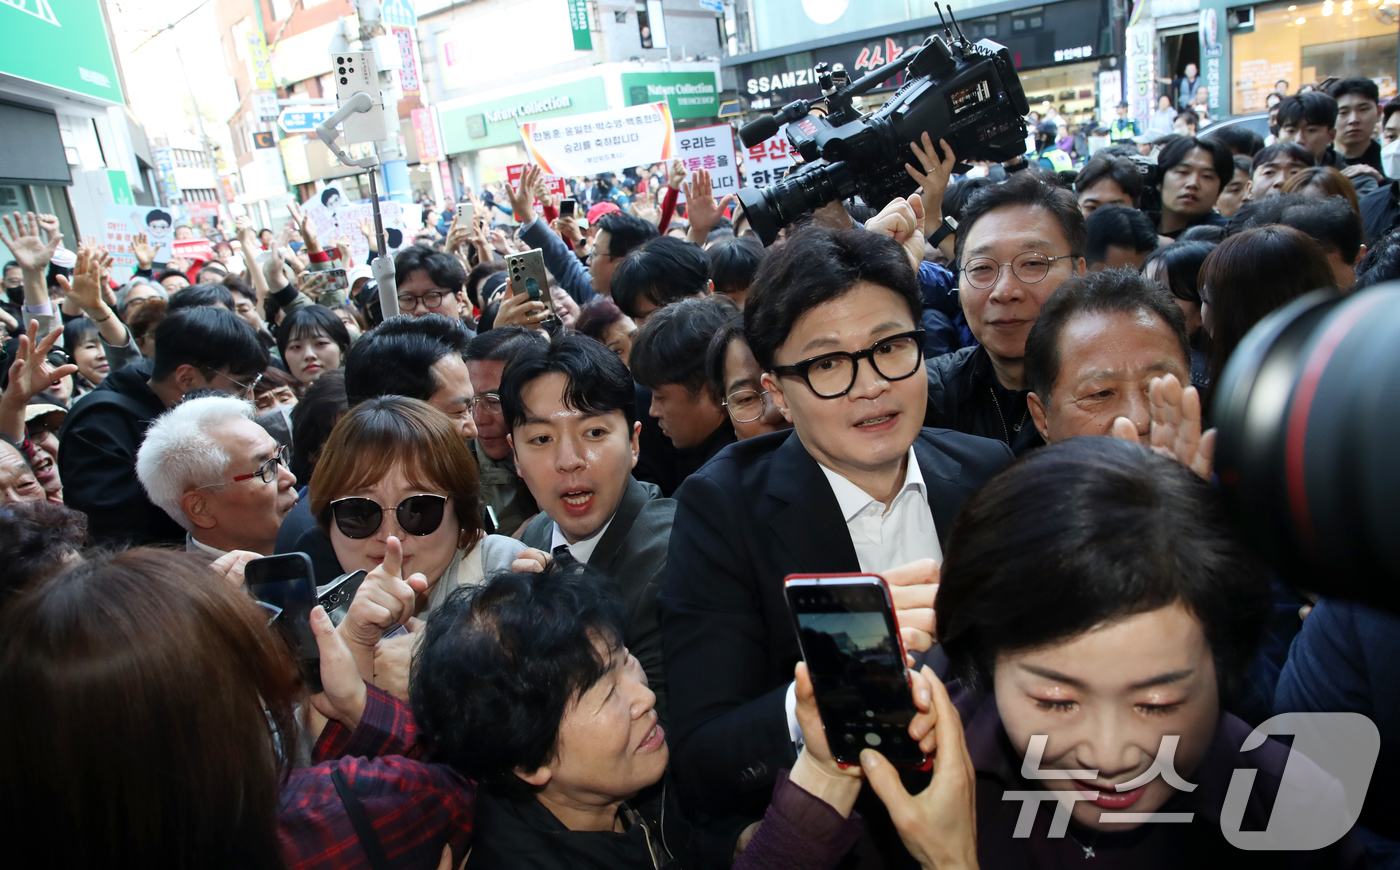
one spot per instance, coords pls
(601, 141)
(62, 44)
(710, 149)
(1076, 26)
(258, 61)
(468, 126)
(1110, 94)
(425, 132)
(578, 23)
(165, 164)
(409, 82)
(1211, 56)
(524, 110)
(690, 94)
(1142, 69)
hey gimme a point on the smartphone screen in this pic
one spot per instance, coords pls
(336, 279)
(847, 631)
(566, 208)
(286, 587)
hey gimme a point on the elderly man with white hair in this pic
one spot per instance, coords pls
(218, 474)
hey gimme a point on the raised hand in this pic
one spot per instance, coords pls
(21, 235)
(939, 825)
(385, 599)
(520, 310)
(31, 373)
(522, 196)
(903, 221)
(913, 588)
(701, 208)
(85, 288)
(1176, 426)
(676, 178)
(303, 223)
(933, 181)
(143, 252)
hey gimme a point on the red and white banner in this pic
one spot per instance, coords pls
(601, 141)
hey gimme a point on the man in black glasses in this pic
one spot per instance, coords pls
(219, 475)
(833, 320)
(1017, 243)
(429, 282)
(196, 348)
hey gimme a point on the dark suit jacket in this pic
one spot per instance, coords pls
(759, 511)
(633, 553)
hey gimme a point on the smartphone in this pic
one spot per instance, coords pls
(526, 271)
(336, 279)
(466, 213)
(566, 207)
(850, 641)
(336, 595)
(286, 586)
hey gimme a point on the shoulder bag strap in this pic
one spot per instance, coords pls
(369, 840)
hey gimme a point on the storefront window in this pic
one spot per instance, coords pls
(1304, 43)
(1069, 89)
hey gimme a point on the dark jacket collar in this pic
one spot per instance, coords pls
(634, 498)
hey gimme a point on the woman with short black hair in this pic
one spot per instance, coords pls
(312, 341)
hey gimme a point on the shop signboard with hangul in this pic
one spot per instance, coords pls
(767, 162)
(711, 149)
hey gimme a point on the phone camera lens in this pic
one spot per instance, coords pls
(342, 70)
(344, 80)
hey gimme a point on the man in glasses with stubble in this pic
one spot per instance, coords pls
(833, 320)
(1017, 243)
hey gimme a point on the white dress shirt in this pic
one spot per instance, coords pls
(583, 550)
(884, 538)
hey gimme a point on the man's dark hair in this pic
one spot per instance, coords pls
(816, 265)
(169, 273)
(239, 287)
(37, 539)
(1204, 233)
(959, 192)
(670, 347)
(200, 296)
(719, 349)
(1243, 164)
(1328, 220)
(503, 344)
(1381, 263)
(625, 232)
(1177, 151)
(12, 264)
(309, 322)
(479, 271)
(1241, 140)
(1119, 169)
(207, 338)
(444, 270)
(313, 418)
(1291, 151)
(1390, 108)
(1182, 261)
(597, 380)
(1085, 532)
(499, 665)
(664, 270)
(396, 358)
(733, 263)
(1110, 291)
(156, 214)
(1360, 85)
(1189, 116)
(328, 193)
(1313, 107)
(1021, 190)
(1119, 227)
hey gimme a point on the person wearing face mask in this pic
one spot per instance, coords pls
(735, 375)
(1098, 611)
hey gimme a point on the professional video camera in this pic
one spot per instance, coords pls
(966, 94)
(1308, 409)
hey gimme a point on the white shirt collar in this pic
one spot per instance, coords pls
(582, 550)
(193, 545)
(853, 500)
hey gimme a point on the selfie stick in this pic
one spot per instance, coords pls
(383, 264)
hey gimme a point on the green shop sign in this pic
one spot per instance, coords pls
(492, 123)
(691, 94)
(60, 43)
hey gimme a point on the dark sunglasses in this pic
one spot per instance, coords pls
(418, 515)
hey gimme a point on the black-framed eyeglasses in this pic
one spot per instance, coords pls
(746, 406)
(408, 302)
(267, 472)
(832, 375)
(487, 403)
(418, 515)
(1029, 267)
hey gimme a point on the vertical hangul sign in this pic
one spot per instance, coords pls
(769, 160)
(711, 149)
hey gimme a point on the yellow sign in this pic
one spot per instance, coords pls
(258, 60)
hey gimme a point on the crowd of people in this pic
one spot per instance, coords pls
(574, 514)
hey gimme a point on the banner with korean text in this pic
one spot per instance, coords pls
(601, 141)
(711, 149)
(767, 162)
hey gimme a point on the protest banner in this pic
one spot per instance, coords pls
(123, 222)
(332, 218)
(601, 141)
(766, 162)
(555, 183)
(712, 149)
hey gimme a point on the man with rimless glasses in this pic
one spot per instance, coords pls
(833, 321)
(219, 475)
(1017, 243)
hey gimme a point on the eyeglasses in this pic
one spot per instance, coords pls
(746, 406)
(1029, 267)
(56, 358)
(487, 403)
(418, 515)
(246, 390)
(832, 375)
(267, 472)
(408, 302)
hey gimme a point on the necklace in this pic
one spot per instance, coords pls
(1002, 417)
(1089, 849)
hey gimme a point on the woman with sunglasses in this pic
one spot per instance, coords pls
(397, 492)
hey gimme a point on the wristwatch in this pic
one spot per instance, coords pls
(945, 229)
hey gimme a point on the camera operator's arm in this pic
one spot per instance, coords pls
(933, 183)
(903, 221)
(1176, 426)
(568, 272)
(702, 209)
